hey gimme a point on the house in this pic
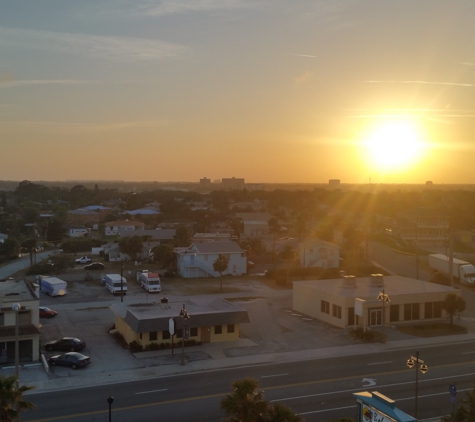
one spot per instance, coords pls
(113, 251)
(255, 224)
(157, 234)
(319, 253)
(197, 260)
(144, 211)
(19, 292)
(255, 205)
(81, 216)
(75, 231)
(176, 222)
(210, 237)
(353, 302)
(114, 227)
(211, 320)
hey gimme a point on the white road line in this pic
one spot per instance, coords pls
(276, 375)
(151, 391)
(467, 353)
(379, 363)
(328, 410)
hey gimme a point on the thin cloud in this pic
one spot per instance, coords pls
(304, 78)
(305, 55)
(104, 47)
(89, 126)
(13, 83)
(420, 82)
(169, 7)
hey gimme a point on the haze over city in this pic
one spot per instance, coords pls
(271, 90)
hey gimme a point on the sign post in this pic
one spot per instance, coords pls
(453, 393)
(171, 329)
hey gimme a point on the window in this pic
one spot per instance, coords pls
(394, 313)
(152, 336)
(194, 332)
(230, 328)
(432, 310)
(411, 311)
(179, 333)
(140, 336)
(218, 329)
(351, 316)
(325, 307)
(2, 319)
(166, 335)
(336, 311)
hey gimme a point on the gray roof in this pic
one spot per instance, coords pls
(162, 234)
(147, 317)
(254, 216)
(15, 291)
(312, 242)
(226, 246)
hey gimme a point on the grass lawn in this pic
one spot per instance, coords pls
(433, 329)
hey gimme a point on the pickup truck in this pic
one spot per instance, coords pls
(83, 260)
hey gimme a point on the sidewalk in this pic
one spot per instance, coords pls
(208, 357)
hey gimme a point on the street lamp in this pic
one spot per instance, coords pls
(414, 361)
(16, 307)
(383, 297)
(185, 316)
(110, 400)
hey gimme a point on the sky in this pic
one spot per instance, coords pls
(273, 91)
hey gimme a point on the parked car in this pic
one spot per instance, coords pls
(83, 260)
(73, 359)
(67, 343)
(47, 312)
(95, 266)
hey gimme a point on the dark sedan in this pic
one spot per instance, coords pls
(47, 312)
(67, 343)
(95, 266)
(72, 359)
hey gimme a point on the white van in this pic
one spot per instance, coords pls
(114, 284)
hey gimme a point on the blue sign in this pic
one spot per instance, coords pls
(453, 389)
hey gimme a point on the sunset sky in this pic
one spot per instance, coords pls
(297, 91)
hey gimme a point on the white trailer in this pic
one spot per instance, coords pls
(52, 286)
(149, 281)
(115, 285)
(461, 270)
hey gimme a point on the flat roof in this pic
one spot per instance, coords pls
(365, 289)
(15, 291)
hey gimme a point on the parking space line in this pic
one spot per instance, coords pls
(152, 391)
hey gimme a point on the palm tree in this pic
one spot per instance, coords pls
(245, 403)
(220, 265)
(11, 399)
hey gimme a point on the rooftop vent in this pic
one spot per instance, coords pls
(377, 280)
(349, 281)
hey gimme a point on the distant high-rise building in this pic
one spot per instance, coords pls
(205, 182)
(233, 183)
(334, 183)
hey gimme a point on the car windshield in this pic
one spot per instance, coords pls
(45, 309)
(76, 340)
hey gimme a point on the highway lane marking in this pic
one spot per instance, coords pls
(379, 363)
(276, 375)
(152, 391)
(467, 353)
(211, 396)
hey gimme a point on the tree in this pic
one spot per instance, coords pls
(220, 265)
(11, 399)
(452, 304)
(245, 403)
(131, 245)
(465, 412)
(182, 236)
(10, 248)
(55, 232)
(281, 413)
(163, 254)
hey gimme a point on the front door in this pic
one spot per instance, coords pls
(205, 336)
(375, 317)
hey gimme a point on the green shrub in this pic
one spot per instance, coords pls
(135, 347)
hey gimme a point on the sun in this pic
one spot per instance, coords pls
(394, 145)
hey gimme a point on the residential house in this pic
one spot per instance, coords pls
(156, 235)
(210, 237)
(197, 260)
(144, 211)
(255, 224)
(176, 222)
(3, 237)
(255, 205)
(19, 292)
(82, 216)
(211, 320)
(72, 230)
(319, 253)
(353, 302)
(114, 227)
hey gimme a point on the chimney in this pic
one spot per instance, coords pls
(349, 281)
(377, 280)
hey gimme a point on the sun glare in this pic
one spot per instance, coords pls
(394, 145)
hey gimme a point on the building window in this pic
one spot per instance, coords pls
(230, 328)
(325, 307)
(140, 336)
(218, 329)
(411, 311)
(194, 332)
(394, 313)
(2, 319)
(166, 335)
(351, 316)
(179, 333)
(432, 310)
(336, 311)
(152, 336)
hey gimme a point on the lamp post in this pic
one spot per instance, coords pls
(383, 297)
(110, 400)
(411, 362)
(185, 316)
(16, 307)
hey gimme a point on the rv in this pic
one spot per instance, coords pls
(149, 281)
(115, 285)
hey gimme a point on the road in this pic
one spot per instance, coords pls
(22, 263)
(317, 390)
